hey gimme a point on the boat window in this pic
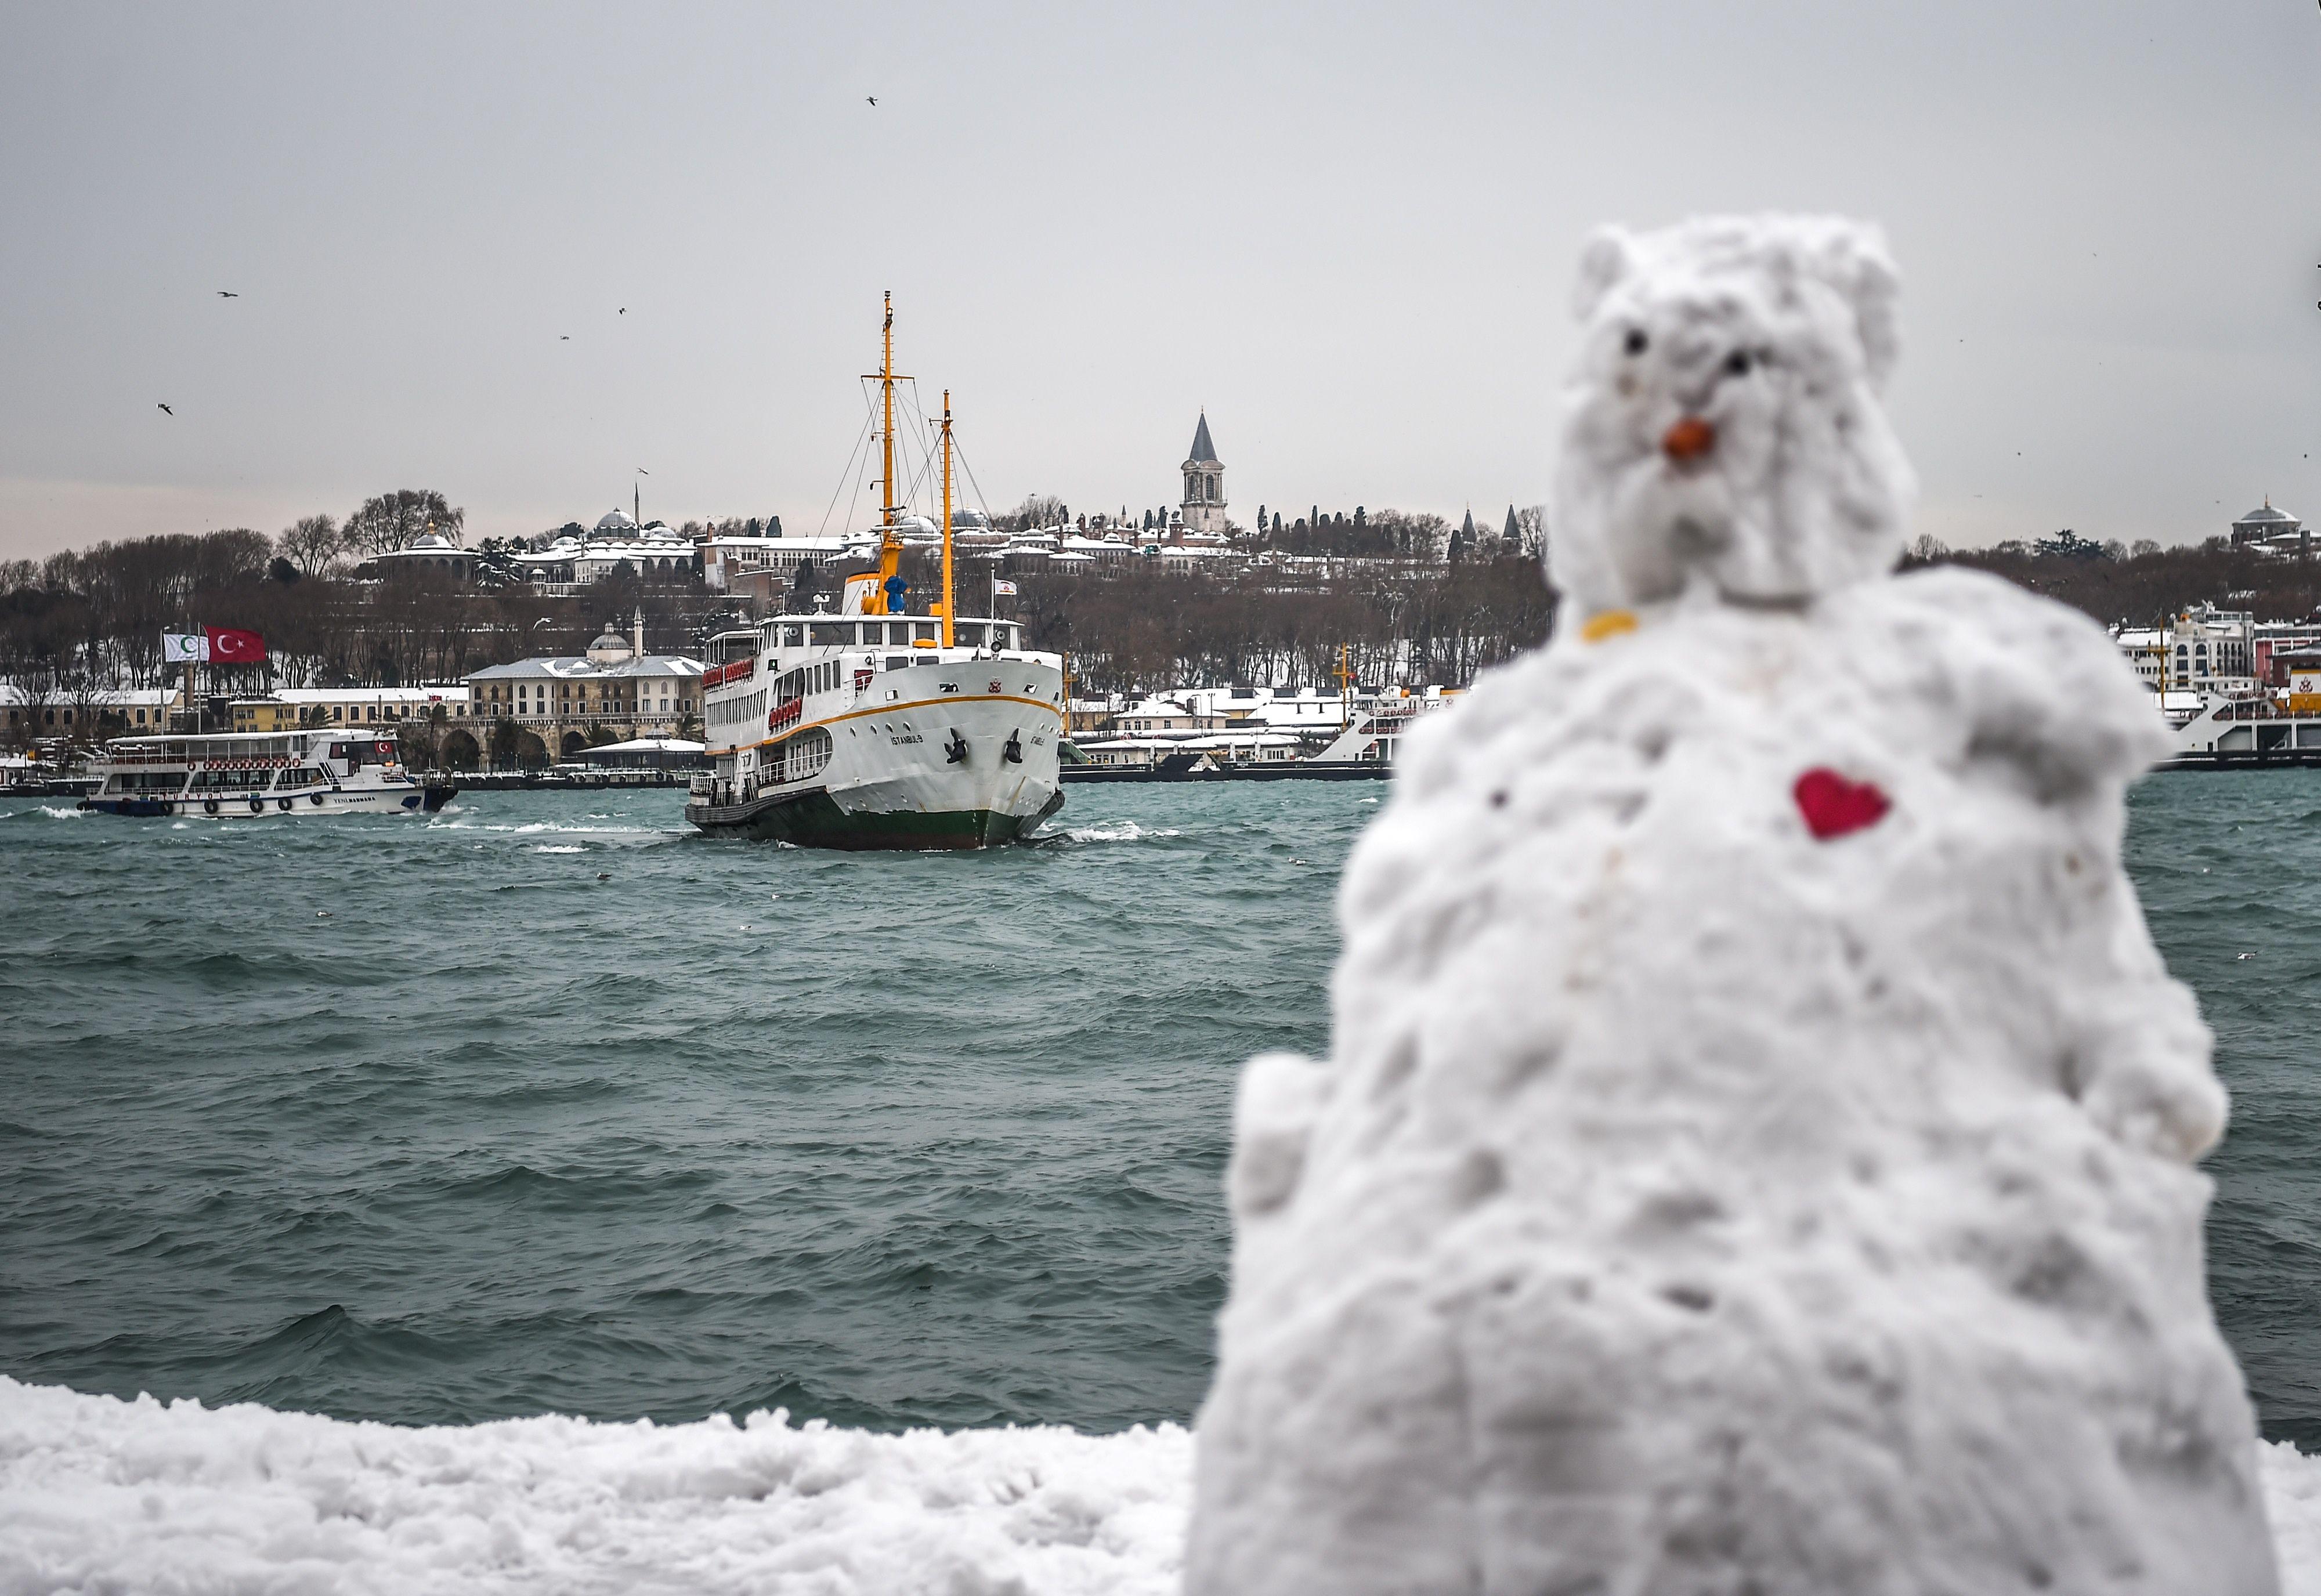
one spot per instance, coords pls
(925, 630)
(793, 637)
(898, 662)
(830, 633)
(969, 633)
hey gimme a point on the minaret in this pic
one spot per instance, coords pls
(641, 632)
(1204, 509)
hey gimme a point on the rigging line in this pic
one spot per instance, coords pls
(843, 479)
(960, 450)
(926, 455)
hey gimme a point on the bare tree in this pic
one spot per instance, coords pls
(1531, 527)
(312, 543)
(396, 519)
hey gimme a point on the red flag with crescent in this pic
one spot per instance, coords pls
(231, 645)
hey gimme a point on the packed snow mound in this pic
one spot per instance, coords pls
(1756, 1153)
(1724, 420)
(99, 1494)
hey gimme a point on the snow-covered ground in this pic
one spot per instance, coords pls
(99, 1494)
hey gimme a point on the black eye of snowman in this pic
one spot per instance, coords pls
(1636, 342)
(1736, 364)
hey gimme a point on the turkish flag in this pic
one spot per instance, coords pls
(230, 646)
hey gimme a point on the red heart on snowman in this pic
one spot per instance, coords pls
(1832, 805)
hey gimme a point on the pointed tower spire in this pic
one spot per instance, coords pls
(1203, 453)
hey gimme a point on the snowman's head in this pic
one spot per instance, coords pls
(1724, 425)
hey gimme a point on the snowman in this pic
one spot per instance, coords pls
(1757, 1151)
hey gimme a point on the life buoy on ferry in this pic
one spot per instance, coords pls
(283, 804)
(256, 804)
(209, 806)
(315, 799)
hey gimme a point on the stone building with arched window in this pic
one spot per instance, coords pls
(1203, 511)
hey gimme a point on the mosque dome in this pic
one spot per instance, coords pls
(617, 521)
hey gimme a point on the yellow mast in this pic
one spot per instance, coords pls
(1345, 691)
(890, 543)
(946, 579)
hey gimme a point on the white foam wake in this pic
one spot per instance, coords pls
(1122, 831)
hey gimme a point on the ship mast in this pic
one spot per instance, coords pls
(946, 524)
(890, 541)
(886, 398)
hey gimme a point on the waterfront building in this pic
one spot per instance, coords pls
(2272, 530)
(2213, 650)
(288, 709)
(430, 551)
(1203, 511)
(653, 551)
(27, 712)
(616, 687)
(726, 560)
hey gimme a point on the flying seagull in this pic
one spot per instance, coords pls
(872, 98)
(643, 472)
(563, 338)
(167, 411)
(228, 293)
(624, 310)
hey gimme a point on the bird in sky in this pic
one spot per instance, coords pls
(643, 472)
(563, 338)
(228, 293)
(167, 411)
(624, 310)
(872, 98)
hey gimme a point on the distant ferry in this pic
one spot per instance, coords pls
(872, 728)
(247, 775)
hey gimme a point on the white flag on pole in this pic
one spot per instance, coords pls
(1001, 587)
(182, 648)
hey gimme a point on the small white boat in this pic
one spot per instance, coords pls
(252, 775)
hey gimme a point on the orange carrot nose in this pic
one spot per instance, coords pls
(1689, 439)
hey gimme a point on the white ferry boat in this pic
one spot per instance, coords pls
(870, 727)
(249, 775)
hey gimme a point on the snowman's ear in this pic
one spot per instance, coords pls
(1608, 258)
(1852, 259)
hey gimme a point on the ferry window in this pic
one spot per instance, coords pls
(926, 631)
(829, 633)
(969, 633)
(793, 637)
(898, 662)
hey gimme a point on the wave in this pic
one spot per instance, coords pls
(559, 848)
(1117, 831)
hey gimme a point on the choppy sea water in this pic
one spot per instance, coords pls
(546, 1104)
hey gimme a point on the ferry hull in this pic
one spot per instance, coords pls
(891, 782)
(816, 819)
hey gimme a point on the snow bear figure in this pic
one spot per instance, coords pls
(1757, 1149)
(1724, 424)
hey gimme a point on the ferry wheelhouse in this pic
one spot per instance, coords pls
(253, 775)
(871, 728)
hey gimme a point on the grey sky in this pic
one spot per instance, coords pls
(1348, 232)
